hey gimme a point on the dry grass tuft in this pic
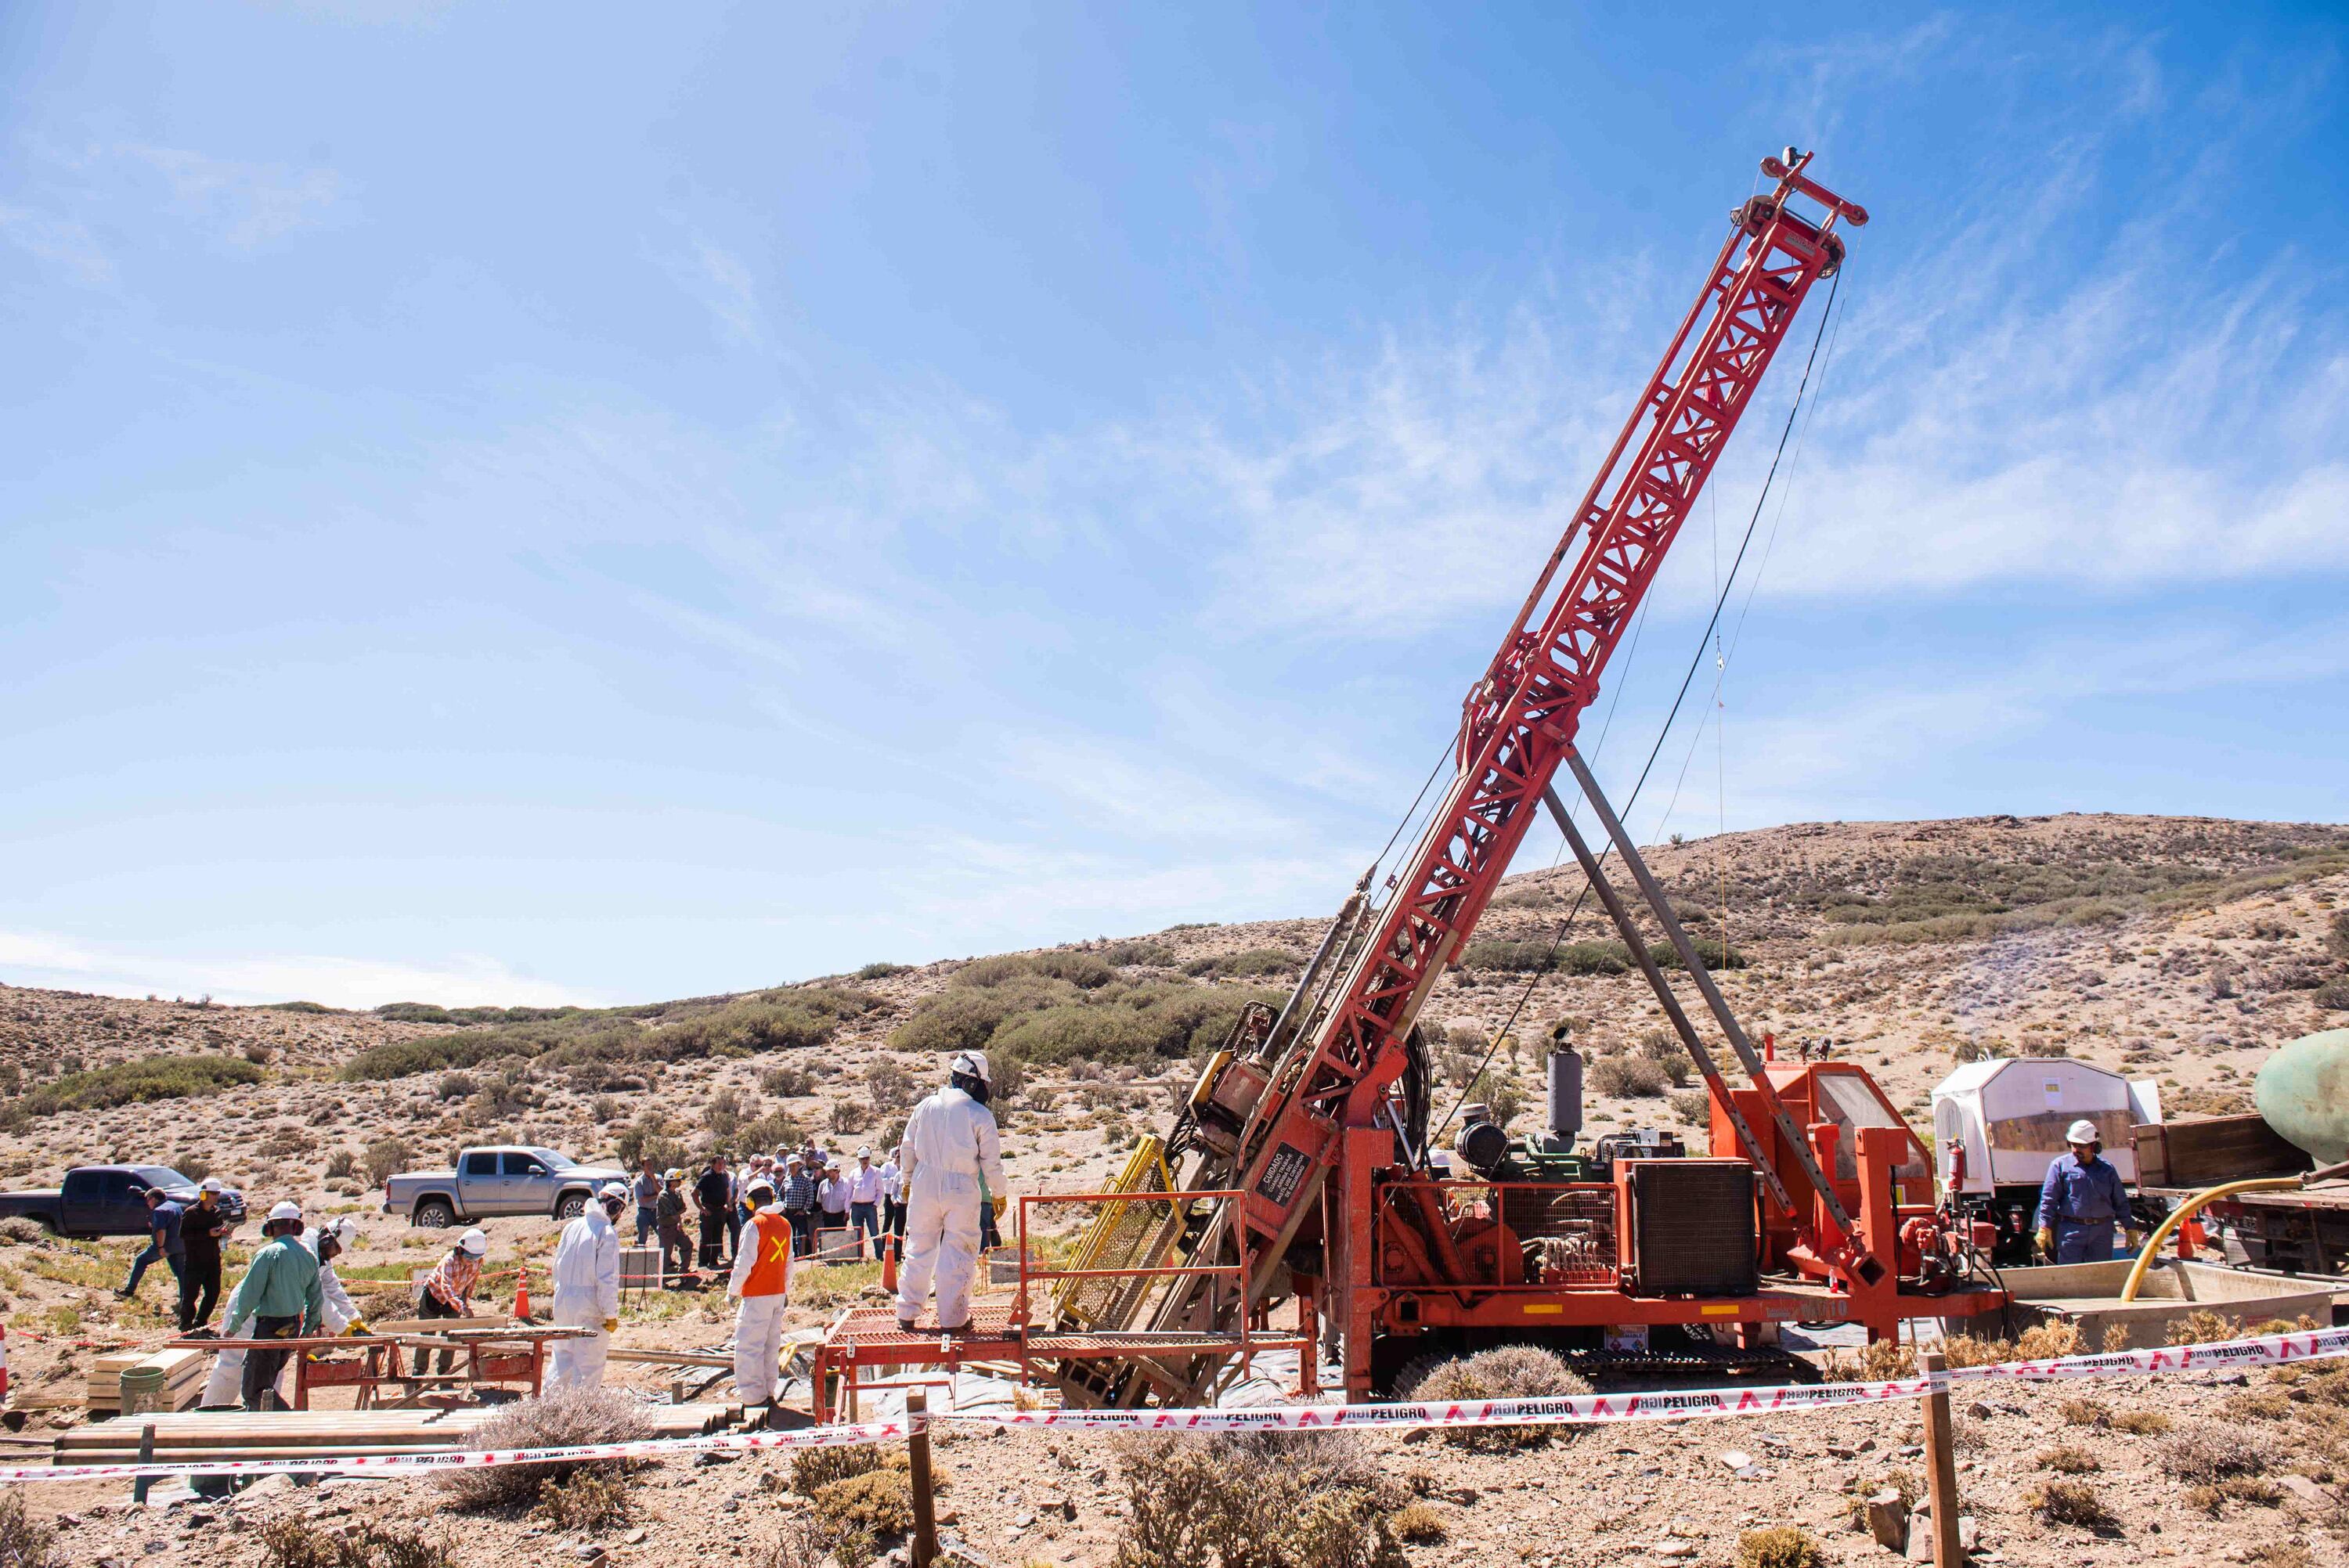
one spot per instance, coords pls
(1261, 1498)
(2083, 1412)
(812, 1469)
(586, 1502)
(1877, 1363)
(296, 1543)
(567, 1419)
(2143, 1423)
(2068, 1458)
(2258, 1404)
(2073, 1503)
(1779, 1546)
(2210, 1452)
(1508, 1372)
(2212, 1500)
(1418, 1524)
(2200, 1326)
(2279, 1554)
(858, 1511)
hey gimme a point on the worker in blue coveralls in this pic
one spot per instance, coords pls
(2081, 1201)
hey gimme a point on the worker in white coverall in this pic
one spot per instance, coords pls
(587, 1290)
(763, 1279)
(952, 1162)
(337, 1313)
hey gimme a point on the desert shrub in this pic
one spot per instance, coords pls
(342, 1162)
(777, 1021)
(1878, 1361)
(1505, 1372)
(1256, 1499)
(2200, 1326)
(414, 1013)
(2072, 1502)
(859, 1510)
(1417, 1524)
(1253, 964)
(1086, 970)
(2213, 1499)
(16, 1230)
(2142, 1423)
(890, 1085)
(25, 1542)
(139, 1082)
(786, 1082)
(2212, 1450)
(962, 1019)
(2258, 1404)
(383, 1156)
(193, 1166)
(882, 971)
(2279, 1554)
(584, 1503)
(1692, 1107)
(1544, 957)
(565, 1418)
(294, 1541)
(1121, 954)
(2067, 1458)
(1628, 1078)
(814, 1468)
(2336, 935)
(2082, 1412)
(453, 1085)
(566, 1037)
(296, 1007)
(1779, 1546)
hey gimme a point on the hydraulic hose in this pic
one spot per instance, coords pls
(2204, 1199)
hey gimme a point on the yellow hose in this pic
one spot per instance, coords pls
(2187, 1211)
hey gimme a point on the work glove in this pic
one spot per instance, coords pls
(357, 1325)
(611, 1325)
(2046, 1239)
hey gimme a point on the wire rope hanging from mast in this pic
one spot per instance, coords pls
(1721, 599)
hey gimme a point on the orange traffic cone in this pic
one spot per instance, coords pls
(889, 1264)
(522, 1294)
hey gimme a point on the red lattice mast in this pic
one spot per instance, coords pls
(1521, 718)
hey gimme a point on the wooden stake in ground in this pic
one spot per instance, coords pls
(917, 1449)
(1940, 1465)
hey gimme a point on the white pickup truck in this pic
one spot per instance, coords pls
(510, 1179)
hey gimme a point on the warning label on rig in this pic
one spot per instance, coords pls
(1281, 1176)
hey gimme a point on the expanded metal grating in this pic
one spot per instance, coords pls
(1131, 1235)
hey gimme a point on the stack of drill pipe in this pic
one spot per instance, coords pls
(196, 1436)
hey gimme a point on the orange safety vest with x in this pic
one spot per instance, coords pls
(770, 1275)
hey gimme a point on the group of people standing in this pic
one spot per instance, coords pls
(815, 1191)
(186, 1239)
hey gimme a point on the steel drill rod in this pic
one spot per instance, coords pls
(1662, 908)
(1637, 946)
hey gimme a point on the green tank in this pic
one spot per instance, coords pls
(2303, 1092)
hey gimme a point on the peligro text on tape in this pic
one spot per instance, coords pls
(1677, 1404)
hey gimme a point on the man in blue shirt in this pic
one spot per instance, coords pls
(2081, 1201)
(163, 1243)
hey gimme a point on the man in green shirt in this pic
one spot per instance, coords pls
(280, 1292)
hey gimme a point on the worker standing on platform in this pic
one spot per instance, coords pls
(448, 1291)
(952, 1162)
(763, 1279)
(281, 1295)
(2081, 1201)
(587, 1290)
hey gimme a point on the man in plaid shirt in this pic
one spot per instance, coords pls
(799, 1205)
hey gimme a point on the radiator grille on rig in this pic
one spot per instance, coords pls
(1692, 1227)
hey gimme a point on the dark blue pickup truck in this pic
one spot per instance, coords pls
(108, 1201)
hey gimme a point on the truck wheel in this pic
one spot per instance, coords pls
(434, 1215)
(571, 1205)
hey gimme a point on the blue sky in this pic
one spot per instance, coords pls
(520, 503)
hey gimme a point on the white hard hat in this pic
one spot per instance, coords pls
(473, 1242)
(2081, 1131)
(832, 1164)
(974, 1063)
(286, 1211)
(613, 1192)
(211, 1184)
(758, 1185)
(864, 1151)
(345, 1232)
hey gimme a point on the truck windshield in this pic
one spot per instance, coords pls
(161, 1176)
(553, 1160)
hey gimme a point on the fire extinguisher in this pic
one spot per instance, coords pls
(3, 1363)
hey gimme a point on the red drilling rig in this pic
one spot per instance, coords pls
(1300, 1167)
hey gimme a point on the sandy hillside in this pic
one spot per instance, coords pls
(2181, 949)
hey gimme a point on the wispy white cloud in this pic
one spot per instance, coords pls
(64, 243)
(242, 205)
(43, 959)
(723, 283)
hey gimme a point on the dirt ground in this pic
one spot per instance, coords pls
(2191, 988)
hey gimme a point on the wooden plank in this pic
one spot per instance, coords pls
(2204, 1151)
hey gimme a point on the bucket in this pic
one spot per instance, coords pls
(143, 1391)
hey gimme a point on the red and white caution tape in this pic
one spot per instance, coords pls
(2267, 1350)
